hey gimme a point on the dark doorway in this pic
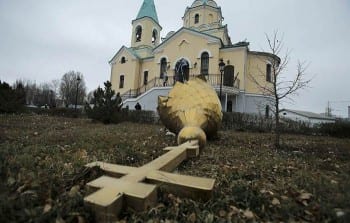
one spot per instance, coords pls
(145, 78)
(229, 106)
(229, 73)
(182, 71)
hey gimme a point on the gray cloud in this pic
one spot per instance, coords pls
(42, 39)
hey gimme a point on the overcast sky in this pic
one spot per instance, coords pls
(42, 39)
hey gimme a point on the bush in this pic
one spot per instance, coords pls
(106, 105)
(293, 127)
(246, 122)
(338, 129)
(11, 100)
(140, 116)
(255, 123)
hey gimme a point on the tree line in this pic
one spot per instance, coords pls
(64, 92)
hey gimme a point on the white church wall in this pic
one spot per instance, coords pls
(149, 100)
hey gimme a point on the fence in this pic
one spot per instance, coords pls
(231, 121)
(212, 79)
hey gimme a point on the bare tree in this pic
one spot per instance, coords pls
(69, 85)
(277, 85)
(55, 86)
(47, 96)
(29, 88)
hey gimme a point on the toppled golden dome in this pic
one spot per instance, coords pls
(192, 110)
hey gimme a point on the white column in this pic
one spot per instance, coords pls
(226, 102)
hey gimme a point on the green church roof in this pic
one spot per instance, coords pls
(148, 9)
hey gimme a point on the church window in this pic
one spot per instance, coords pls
(123, 60)
(163, 67)
(205, 63)
(196, 19)
(145, 77)
(268, 73)
(121, 81)
(154, 36)
(267, 111)
(138, 33)
(211, 18)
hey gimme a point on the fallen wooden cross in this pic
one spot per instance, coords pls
(137, 187)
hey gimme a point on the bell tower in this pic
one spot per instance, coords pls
(146, 28)
(203, 15)
(206, 16)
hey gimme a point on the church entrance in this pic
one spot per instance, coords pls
(229, 107)
(182, 71)
(229, 73)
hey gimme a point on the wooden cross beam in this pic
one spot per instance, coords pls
(137, 187)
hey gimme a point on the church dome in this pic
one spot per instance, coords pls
(204, 2)
(169, 34)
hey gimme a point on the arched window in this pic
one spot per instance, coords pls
(123, 60)
(205, 63)
(196, 19)
(267, 111)
(121, 81)
(145, 77)
(163, 67)
(138, 33)
(268, 72)
(211, 18)
(154, 36)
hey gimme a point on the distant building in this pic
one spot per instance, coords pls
(152, 65)
(305, 116)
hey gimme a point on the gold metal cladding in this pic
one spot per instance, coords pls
(192, 110)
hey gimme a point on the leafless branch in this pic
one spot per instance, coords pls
(280, 87)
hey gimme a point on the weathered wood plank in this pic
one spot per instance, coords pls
(138, 190)
(182, 180)
(113, 169)
(116, 192)
(182, 185)
(107, 204)
(105, 196)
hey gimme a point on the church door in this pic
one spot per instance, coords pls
(182, 71)
(229, 75)
(229, 106)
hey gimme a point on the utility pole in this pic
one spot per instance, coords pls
(329, 109)
(76, 95)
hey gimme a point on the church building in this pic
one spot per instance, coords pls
(152, 65)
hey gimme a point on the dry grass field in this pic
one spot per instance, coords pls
(43, 176)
